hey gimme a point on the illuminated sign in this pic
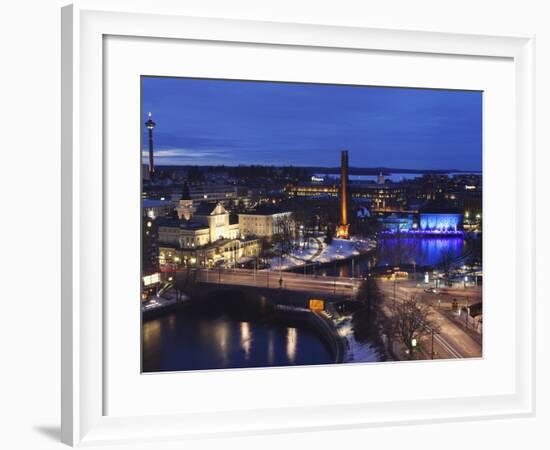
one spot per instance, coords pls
(316, 304)
(148, 280)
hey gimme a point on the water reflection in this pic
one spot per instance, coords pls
(152, 341)
(192, 341)
(171, 323)
(245, 339)
(152, 332)
(420, 251)
(270, 348)
(291, 344)
(221, 333)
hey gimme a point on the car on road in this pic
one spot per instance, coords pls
(431, 290)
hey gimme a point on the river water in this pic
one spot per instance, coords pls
(190, 340)
(405, 251)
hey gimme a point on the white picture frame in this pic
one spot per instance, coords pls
(83, 246)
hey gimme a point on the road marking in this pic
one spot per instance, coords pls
(447, 346)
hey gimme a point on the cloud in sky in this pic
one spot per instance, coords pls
(242, 122)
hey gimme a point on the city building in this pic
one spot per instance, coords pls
(185, 208)
(209, 235)
(211, 192)
(395, 223)
(264, 221)
(387, 197)
(209, 222)
(156, 208)
(223, 251)
(440, 220)
(149, 251)
(472, 205)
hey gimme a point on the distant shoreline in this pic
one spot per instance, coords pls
(330, 170)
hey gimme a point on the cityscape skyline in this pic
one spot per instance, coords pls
(346, 225)
(221, 122)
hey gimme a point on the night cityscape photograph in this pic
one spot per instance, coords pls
(295, 224)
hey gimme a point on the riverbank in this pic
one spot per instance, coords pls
(356, 351)
(322, 324)
(321, 253)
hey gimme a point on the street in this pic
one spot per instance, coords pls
(276, 280)
(452, 339)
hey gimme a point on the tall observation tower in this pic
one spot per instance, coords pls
(343, 229)
(150, 125)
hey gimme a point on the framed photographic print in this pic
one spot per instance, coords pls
(263, 245)
(258, 217)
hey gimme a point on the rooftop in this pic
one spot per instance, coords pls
(265, 210)
(205, 208)
(179, 223)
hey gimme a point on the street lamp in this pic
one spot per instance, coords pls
(414, 343)
(176, 263)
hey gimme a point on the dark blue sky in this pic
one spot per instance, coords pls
(209, 122)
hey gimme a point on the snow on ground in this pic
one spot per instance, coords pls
(342, 249)
(298, 256)
(319, 252)
(355, 351)
(160, 301)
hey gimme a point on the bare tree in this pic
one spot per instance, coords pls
(284, 233)
(409, 320)
(303, 221)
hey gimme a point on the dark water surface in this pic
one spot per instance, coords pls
(191, 340)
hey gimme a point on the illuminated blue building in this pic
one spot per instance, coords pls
(437, 222)
(440, 221)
